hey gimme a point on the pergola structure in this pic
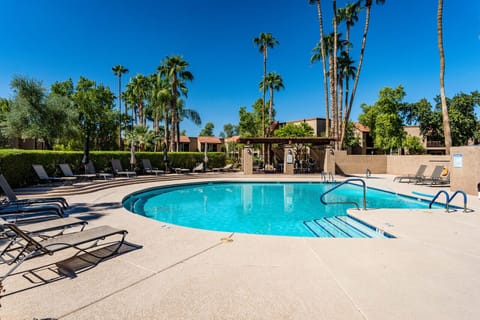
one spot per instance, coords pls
(287, 140)
(287, 143)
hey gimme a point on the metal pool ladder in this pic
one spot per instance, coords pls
(449, 199)
(347, 202)
(330, 177)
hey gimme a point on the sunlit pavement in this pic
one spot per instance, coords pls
(430, 271)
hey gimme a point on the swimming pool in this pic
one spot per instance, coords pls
(258, 207)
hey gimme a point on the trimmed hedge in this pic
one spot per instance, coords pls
(16, 165)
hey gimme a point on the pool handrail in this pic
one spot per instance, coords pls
(465, 209)
(330, 175)
(347, 202)
(437, 195)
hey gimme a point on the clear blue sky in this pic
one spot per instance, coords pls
(53, 40)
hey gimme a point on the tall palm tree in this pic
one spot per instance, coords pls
(346, 71)
(368, 6)
(274, 82)
(348, 14)
(264, 41)
(140, 86)
(118, 70)
(333, 78)
(174, 69)
(321, 49)
(446, 119)
(164, 95)
(330, 44)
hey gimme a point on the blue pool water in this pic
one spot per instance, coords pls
(256, 208)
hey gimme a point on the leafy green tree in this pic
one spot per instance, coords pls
(207, 131)
(413, 145)
(97, 118)
(389, 133)
(350, 140)
(461, 110)
(461, 114)
(250, 124)
(35, 115)
(229, 130)
(4, 110)
(384, 120)
(301, 129)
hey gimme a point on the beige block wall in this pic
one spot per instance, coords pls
(467, 177)
(358, 164)
(403, 165)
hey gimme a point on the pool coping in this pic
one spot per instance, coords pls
(428, 271)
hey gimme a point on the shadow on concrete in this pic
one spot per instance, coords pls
(68, 268)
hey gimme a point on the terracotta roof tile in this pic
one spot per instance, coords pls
(212, 140)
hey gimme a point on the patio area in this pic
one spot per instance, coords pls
(430, 271)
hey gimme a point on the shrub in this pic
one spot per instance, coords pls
(16, 164)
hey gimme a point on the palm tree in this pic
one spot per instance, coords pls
(321, 49)
(330, 44)
(184, 113)
(274, 82)
(349, 14)
(333, 75)
(140, 86)
(264, 41)
(174, 70)
(368, 6)
(346, 71)
(118, 70)
(446, 121)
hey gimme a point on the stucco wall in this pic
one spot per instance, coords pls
(358, 164)
(396, 165)
(403, 165)
(466, 177)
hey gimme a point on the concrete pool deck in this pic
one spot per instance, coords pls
(430, 271)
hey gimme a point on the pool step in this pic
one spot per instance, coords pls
(344, 227)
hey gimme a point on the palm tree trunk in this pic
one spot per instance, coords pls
(165, 120)
(334, 91)
(332, 94)
(119, 140)
(446, 120)
(360, 60)
(324, 66)
(263, 99)
(270, 111)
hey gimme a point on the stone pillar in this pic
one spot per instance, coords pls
(288, 160)
(247, 159)
(329, 164)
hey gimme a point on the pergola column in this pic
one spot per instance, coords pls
(247, 159)
(289, 159)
